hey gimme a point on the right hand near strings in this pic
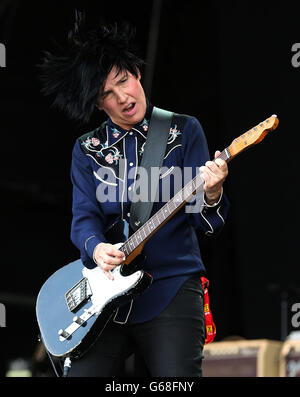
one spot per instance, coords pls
(107, 257)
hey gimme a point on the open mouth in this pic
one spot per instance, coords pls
(130, 109)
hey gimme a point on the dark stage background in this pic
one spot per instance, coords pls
(228, 65)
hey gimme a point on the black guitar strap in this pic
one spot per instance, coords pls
(152, 160)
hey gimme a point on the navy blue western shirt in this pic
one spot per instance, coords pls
(104, 164)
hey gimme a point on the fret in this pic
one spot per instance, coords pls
(225, 155)
(124, 249)
(134, 236)
(143, 229)
(138, 236)
(174, 201)
(179, 199)
(181, 196)
(194, 184)
(131, 244)
(158, 219)
(188, 191)
(161, 216)
(198, 181)
(166, 210)
(148, 228)
(151, 224)
(168, 207)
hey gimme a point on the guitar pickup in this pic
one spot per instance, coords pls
(78, 294)
(63, 334)
(78, 320)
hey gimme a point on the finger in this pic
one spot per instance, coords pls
(217, 153)
(106, 270)
(213, 170)
(111, 250)
(107, 265)
(217, 168)
(203, 173)
(221, 163)
(108, 274)
(111, 260)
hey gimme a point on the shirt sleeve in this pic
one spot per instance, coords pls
(88, 221)
(207, 218)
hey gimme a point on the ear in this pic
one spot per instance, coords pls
(98, 106)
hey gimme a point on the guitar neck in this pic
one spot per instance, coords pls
(244, 141)
(167, 211)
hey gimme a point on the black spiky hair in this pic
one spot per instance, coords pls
(76, 73)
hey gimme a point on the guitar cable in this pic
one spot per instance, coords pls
(67, 362)
(67, 366)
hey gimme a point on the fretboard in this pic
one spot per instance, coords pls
(167, 211)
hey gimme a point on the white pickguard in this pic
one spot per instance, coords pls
(103, 291)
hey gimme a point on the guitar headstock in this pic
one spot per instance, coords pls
(253, 136)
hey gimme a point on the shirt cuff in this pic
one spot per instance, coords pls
(212, 205)
(90, 245)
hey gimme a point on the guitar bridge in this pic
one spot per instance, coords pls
(78, 294)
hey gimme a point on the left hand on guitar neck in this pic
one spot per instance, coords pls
(214, 173)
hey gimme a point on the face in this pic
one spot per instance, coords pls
(123, 99)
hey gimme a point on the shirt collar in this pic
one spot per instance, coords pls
(115, 132)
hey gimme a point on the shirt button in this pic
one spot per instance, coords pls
(128, 214)
(129, 188)
(130, 133)
(131, 164)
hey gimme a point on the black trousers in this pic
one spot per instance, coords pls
(170, 345)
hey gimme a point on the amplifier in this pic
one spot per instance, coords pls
(242, 358)
(290, 359)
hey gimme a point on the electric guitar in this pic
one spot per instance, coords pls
(75, 303)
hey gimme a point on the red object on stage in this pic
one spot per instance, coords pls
(210, 326)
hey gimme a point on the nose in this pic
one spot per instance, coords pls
(121, 96)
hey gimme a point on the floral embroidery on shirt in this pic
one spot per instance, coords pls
(91, 143)
(145, 125)
(174, 133)
(141, 151)
(115, 133)
(113, 156)
(95, 141)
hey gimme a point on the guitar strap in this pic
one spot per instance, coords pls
(152, 160)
